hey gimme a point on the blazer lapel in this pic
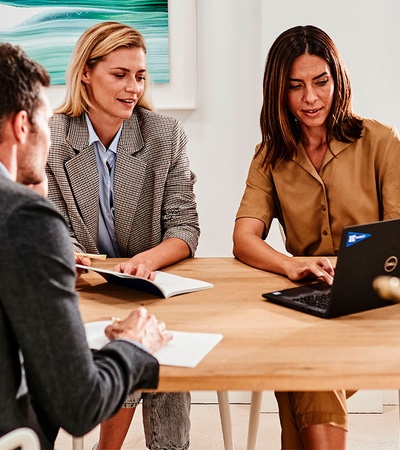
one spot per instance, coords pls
(129, 178)
(83, 177)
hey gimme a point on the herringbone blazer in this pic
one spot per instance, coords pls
(153, 184)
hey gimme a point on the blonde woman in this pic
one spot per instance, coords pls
(119, 174)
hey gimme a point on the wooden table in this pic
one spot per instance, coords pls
(265, 346)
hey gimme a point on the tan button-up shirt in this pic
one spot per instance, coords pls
(358, 183)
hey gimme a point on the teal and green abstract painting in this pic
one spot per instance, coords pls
(48, 29)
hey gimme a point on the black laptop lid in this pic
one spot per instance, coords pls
(366, 251)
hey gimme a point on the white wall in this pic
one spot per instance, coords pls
(233, 38)
(223, 130)
(368, 37)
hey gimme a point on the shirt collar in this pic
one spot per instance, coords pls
(94, 138)
(4, 171)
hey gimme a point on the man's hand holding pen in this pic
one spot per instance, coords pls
(142, 327)
(84, 260)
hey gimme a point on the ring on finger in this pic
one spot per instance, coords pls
(116, 321)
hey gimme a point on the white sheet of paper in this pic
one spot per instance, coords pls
(186, 349)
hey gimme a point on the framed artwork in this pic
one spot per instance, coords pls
(48, 30)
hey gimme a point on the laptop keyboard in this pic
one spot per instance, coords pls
(316, 300)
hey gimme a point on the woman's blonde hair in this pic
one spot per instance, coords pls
(93, 45)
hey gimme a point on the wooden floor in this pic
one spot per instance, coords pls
(367, 431)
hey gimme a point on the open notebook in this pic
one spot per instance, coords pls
(185, 350)
(366, 252)
(165, 284)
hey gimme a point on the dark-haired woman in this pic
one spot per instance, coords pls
(320, 167)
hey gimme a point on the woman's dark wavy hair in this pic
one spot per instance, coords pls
(280, 133)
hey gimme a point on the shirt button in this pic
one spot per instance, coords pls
(325, 233)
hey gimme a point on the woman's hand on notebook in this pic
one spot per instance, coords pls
(139, 270)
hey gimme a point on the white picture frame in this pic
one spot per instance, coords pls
(181, 91)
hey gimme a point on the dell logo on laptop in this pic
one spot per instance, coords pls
(390, 264)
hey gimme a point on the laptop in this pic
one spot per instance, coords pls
(366, 252)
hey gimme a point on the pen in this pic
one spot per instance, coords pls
(91, 255)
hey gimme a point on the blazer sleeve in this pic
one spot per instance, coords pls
(179, 215)
(56, 197)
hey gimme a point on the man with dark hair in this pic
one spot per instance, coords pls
(49, 377)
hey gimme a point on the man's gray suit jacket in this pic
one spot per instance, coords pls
(62, 383)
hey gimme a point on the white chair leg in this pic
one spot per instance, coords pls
(77, 443)
(254, 419)
(226, 422)
(399, 401)
(399, 411)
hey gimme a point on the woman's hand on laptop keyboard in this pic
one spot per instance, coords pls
(316, 268)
